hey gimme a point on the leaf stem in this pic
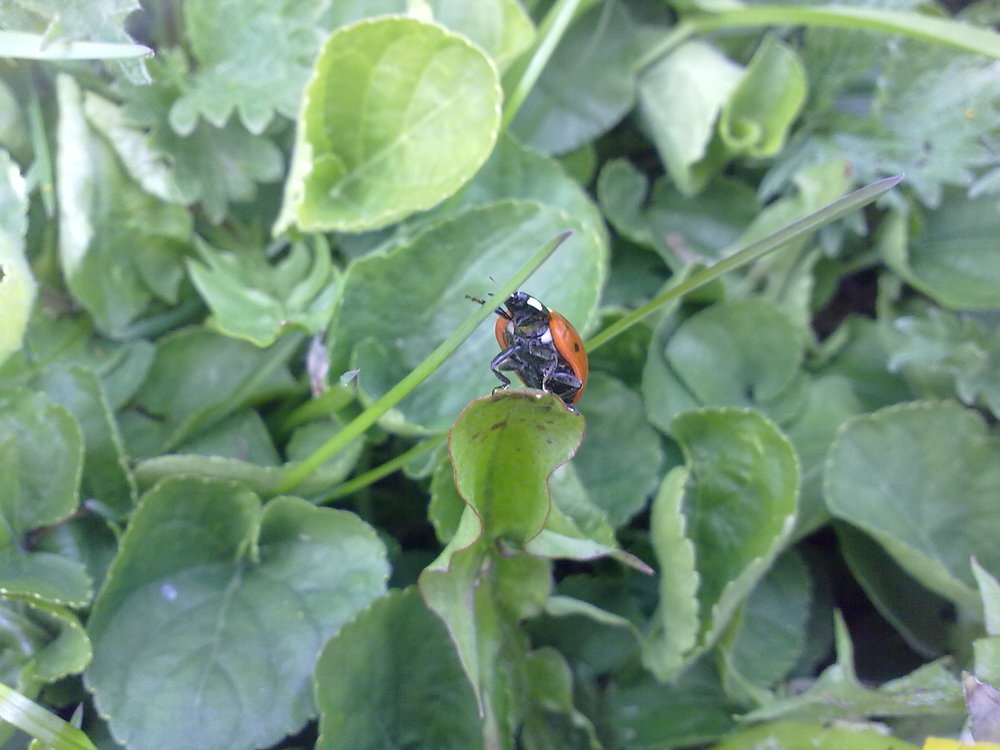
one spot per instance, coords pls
(840, 207)
(373, 475)
(420, 373)
(915, 25)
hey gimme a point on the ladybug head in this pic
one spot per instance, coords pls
(522, 308)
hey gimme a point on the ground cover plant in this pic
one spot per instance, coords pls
(255, 491)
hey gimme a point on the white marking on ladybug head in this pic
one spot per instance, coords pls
(546, 338)
(532, 302)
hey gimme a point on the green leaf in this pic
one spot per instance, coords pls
(41, 456)
(212, 166)
(768, 637)
(692, 710)
(741, 505)
(398, 115)
(756, 119)
(501, 28)
(587, 86)
(200, 377)
(44, 642)
(515, 172)
(838, 694)
(238, 600)
(680, 99)
(451, 260)
(887, 473)
(792, 735)
(17, 284)
(391, 677)
(677, 226)
(550, 683)
(106, 475)
(254, 300)
(829, 402)
(933, 116)
(44, 578)
(103, 218)
(673, 630)
(253, 58)
(946, 354)
(620, 461)
(952, 258)
(734, 353)
(989, 590)
(503, 450)
(924, 619)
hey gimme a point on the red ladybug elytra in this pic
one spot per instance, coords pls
(541, 347)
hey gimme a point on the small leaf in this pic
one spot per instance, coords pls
(887, 473)
(391, 677)
(41, 456)
(952, 258)
(51, 643)
(680, 99)
(756, 119)
(207, 630)
(741, 507)
(398, 115)
(106, 475)
(253, 57)
(253, 300)
(673, 630)
(503, 450)
(17, 284)
(103, 217)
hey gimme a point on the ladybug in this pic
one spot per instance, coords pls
(541, 347)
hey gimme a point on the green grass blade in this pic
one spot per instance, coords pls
(22, 44)
(44, 726)
(839, 208)
(916, 25)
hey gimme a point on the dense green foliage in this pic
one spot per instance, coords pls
(234, 292)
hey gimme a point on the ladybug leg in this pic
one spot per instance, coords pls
(503, 362)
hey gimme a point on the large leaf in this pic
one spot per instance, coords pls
(391, 677)
(207, 630)
(888, 473)
(587, 86)
(398, 115)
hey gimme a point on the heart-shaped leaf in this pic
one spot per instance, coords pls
(208, 627)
